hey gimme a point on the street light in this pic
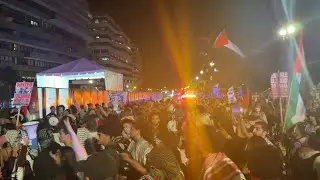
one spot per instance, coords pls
(201, 72)
(289, 30)
(197, 77)
(215, 70)
(211, 64)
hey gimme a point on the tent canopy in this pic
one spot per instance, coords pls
(74, 67)
(80, 69)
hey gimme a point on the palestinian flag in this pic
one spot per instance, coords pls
(223, 41)
(296, 110)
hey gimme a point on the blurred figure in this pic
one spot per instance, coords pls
(52, 111)
(61, 110)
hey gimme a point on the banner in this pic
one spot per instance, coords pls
(116, 98)
(279, 85)
(22, 94)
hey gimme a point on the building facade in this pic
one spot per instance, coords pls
(112, 49)
(137, 64)
(40, 34)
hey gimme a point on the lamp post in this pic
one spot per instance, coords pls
(289, 30)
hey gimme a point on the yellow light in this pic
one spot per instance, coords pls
(282, 32)
(201, 72)
(189, 96)
(211, 64)
(90, 81)
(197, 77)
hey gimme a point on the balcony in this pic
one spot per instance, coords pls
(7, 22)
(51, 57)
(14, 38)
(32, 7)
(23, 67)
(11, 53)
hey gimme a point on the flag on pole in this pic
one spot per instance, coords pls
(223, 41)
(296, 109)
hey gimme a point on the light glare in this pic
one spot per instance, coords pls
(291, 29)
(282, 32)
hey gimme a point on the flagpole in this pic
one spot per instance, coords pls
(280, 103)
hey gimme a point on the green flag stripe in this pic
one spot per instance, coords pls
(293, 101)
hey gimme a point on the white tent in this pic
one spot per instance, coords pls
(59, 77)
(53, 84)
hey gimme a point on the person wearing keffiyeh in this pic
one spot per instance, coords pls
(205, 149)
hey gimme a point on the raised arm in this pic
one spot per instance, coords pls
(79, 150)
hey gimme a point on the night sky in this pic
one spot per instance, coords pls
(250, 24)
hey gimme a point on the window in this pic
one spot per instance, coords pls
(96, 51)
(70, 49)
(30, 62)
(97, 37)
(15, 47)
(34, 23)
(105, 59)
(96, 21)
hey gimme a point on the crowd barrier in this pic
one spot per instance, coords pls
(43, 98)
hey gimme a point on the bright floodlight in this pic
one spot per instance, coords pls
(282, 32)
(197, 77)
(291, 29)
(201, 72)
(211, 64)
(90, 81)
(127, 86)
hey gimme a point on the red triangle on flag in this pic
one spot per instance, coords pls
(221, 40)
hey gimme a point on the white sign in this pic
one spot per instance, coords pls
(231, 96)
(279, 84)
(22, 94)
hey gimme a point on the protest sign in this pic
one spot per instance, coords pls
(116, 98)
(22, 94)
(231, 96)
(279, 84)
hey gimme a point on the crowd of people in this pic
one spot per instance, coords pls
(175, 139)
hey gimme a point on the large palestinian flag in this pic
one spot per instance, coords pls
(296, 107)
